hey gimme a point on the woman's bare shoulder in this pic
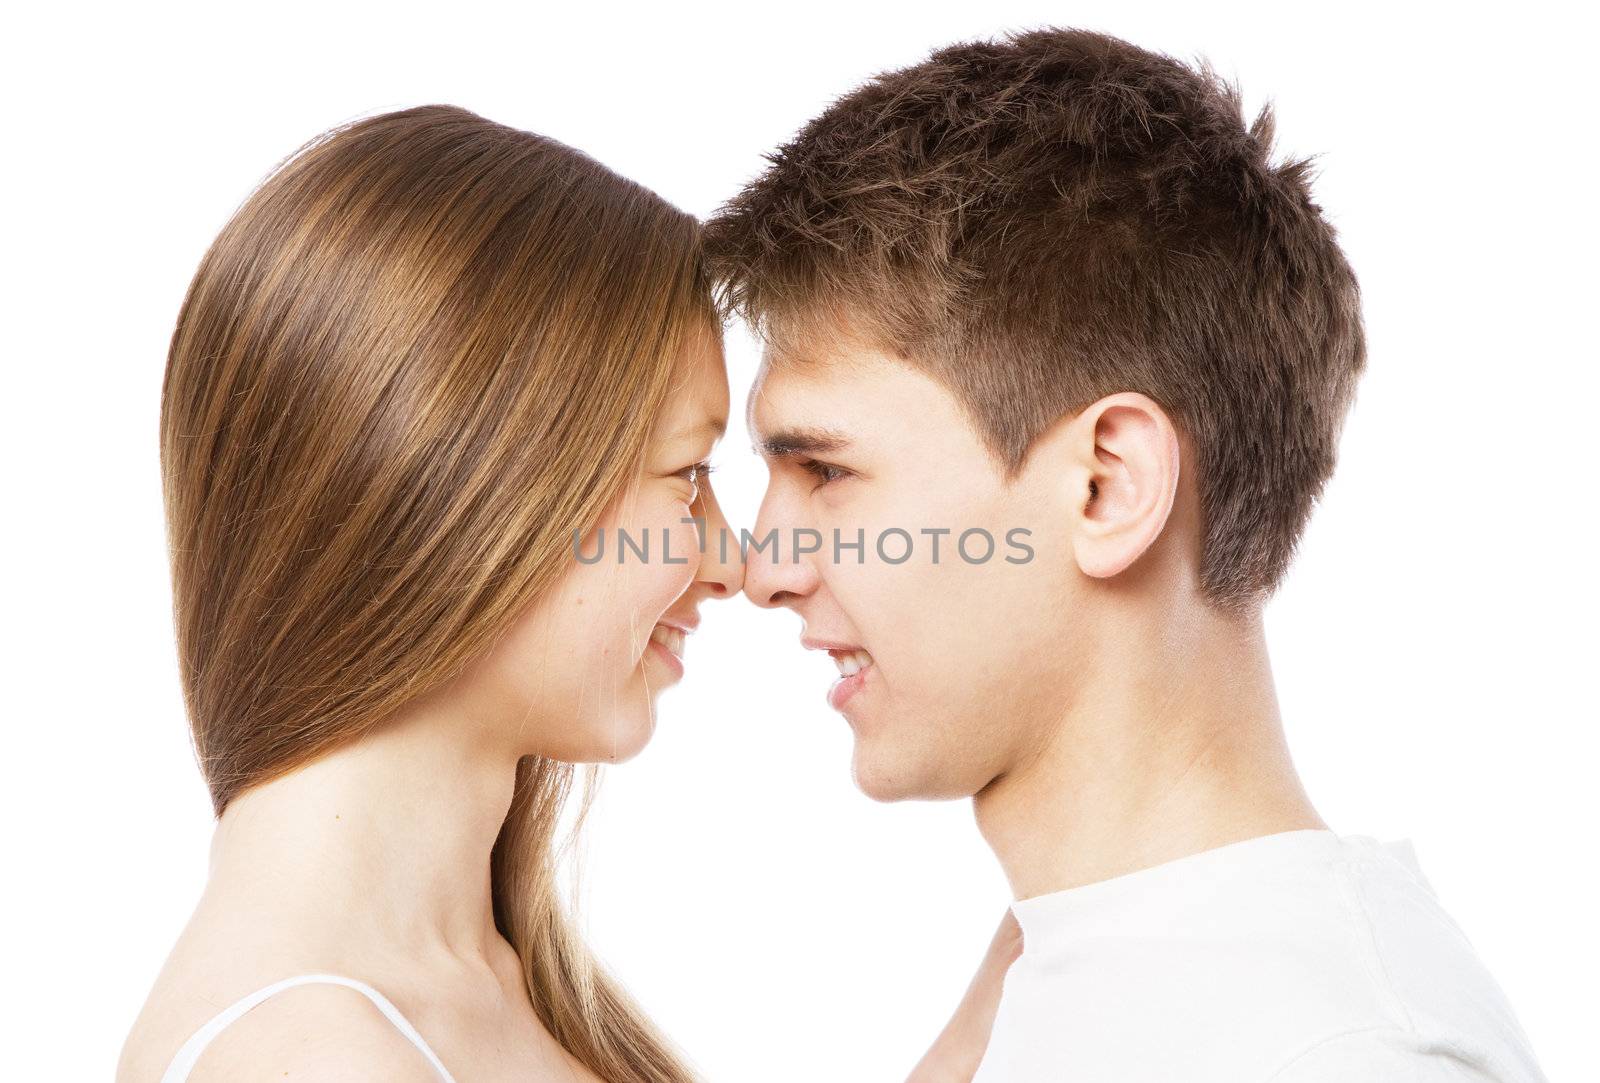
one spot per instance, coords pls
(316, 1032)
(309, 1030)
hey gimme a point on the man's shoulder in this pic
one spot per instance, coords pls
(1323, 950)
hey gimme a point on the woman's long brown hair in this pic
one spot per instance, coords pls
(425, 350)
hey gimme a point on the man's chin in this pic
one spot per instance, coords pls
(882, 779)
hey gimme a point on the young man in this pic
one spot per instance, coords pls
(1051, 292)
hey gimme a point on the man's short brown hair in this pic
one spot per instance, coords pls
(1056, 216)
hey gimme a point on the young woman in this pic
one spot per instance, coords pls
(426, 351)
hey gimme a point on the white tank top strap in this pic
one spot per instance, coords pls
(184, 1060)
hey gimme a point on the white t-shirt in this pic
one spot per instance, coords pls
(1298, 957)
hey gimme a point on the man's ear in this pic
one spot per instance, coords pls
(1114, 471)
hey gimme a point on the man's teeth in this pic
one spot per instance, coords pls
(851, 662)
(670, 638)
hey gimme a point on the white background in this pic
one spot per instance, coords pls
(1434, 646)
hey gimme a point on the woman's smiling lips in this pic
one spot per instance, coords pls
(666, 641)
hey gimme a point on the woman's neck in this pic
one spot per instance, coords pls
(393, 833)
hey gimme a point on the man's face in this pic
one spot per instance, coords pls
(960, 651)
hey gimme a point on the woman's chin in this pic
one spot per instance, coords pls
(628, 735)
(624, 753)
(614, 740)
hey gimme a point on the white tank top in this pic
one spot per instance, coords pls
(183, 1061)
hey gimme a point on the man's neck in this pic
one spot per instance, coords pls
(1183, 752)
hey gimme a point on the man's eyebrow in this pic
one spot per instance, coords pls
(802, 441)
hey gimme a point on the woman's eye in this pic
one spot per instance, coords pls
(694, 475)
(823, 472)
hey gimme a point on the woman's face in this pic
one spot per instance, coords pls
(575, 677)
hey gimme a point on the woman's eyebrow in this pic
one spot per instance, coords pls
(801, 441)
(717, 426)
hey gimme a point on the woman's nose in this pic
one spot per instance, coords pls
(722, 562)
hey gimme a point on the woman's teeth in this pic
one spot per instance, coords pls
(851, 662)
(670, 638)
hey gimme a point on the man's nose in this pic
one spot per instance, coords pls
(774, 573)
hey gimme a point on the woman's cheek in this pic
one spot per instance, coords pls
(669, 564)
(680, 560)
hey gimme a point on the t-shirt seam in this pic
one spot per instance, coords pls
(1312, 1047)
(1368, 930)
(1470, 1056)
(1408, 1023)
(1372, 962)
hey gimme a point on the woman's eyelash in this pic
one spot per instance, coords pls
(694, 474)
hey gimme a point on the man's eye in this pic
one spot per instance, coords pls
(823, 472)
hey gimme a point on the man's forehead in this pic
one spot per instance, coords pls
(790, 393)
